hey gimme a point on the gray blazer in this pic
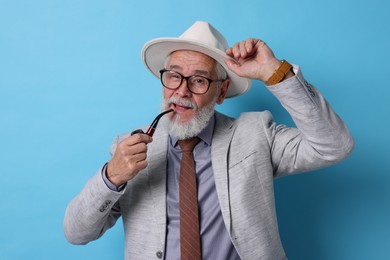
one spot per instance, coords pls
(247, 154)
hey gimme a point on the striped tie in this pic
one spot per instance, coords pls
(189, 219)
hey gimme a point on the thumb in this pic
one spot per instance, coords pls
(233, 65)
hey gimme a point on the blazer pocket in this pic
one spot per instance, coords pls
(238, 161)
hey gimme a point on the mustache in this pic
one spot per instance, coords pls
(181, 101)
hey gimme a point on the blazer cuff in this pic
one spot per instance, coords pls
(109, 184)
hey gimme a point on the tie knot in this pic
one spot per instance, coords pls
(188, 145)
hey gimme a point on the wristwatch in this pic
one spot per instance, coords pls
(279, 74)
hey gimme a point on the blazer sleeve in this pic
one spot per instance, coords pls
(321, 137)
(94, 210)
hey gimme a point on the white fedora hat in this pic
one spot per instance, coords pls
(200, 37)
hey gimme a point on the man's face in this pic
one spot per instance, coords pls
(189, 63)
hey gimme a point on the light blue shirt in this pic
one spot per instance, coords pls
(215, 239)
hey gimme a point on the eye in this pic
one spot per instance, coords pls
(199, 81)
(174, 76)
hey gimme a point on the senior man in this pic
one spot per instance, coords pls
(215, 199)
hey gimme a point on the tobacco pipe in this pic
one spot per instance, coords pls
(153, 125)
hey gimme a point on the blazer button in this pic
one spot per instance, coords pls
(308, 87)
(105, 205)
(159, 254)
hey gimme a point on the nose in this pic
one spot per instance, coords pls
(183, 90)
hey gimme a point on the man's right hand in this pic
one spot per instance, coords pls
(129, 158)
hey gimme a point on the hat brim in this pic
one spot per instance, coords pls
(155, 52)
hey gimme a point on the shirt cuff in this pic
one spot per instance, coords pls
(109, 184)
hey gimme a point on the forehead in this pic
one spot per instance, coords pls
(185, 60)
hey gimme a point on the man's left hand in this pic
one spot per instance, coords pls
(253, 59)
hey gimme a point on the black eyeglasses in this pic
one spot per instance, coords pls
(196, 84)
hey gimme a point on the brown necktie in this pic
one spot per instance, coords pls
(189, 219)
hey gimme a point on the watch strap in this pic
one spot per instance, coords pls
(279, 74)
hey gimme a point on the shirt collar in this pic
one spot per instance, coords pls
(205, 135)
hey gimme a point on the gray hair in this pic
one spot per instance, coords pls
(220, 70)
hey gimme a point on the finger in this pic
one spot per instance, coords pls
(146, 138)
(231, 62)
(130, 151)
(137, 138)
(137, 158)
(234, 66)
(129, 170)
(141, 165)
(137, 149)
(229, 52)
(143, 138)
(249, 45)
(137, 162)
(243, 51)
(125, 149)
(262, 45)
(236, 50)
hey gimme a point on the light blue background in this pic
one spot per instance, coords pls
(71, 79)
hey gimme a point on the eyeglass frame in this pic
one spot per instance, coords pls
(162, 71)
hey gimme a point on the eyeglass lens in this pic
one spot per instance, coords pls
(196, 84)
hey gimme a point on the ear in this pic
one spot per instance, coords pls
(224, 89)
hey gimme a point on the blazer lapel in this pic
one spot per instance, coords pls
(157, 168)
(223, 132)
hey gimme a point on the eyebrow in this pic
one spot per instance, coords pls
(196, 72)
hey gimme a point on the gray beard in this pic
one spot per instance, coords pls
(191, 128)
